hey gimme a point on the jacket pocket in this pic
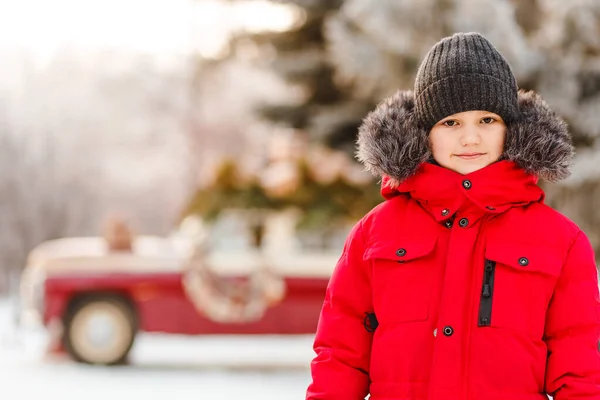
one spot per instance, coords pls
(403, 272)
(518, 282)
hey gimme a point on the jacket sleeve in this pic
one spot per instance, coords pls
(573, 328)
(340, 370)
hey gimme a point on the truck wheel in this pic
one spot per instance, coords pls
(100, 330)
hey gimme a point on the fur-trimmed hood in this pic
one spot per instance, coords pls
(391, 143)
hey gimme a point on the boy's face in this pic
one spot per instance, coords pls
(468, 141)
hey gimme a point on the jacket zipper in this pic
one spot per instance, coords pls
(487, 293)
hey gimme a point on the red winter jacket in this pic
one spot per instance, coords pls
(461, 287)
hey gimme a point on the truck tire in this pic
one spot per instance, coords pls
(100, 330)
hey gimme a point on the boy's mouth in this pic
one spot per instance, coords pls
(469, 156)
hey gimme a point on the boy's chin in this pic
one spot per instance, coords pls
(468, 168)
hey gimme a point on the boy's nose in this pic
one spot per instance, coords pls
(470, 136)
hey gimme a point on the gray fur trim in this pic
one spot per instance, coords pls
(539, 142)
(391, 143)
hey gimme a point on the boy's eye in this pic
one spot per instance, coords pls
(488, 120)
(450, 123)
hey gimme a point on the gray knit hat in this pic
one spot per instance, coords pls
(464, 72)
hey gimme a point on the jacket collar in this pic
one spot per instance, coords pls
(493, 189)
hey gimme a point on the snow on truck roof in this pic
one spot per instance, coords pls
(148, 253)
(164, 254)
(144, 246)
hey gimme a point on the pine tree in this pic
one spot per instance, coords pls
(328, 112)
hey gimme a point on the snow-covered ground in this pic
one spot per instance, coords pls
(162, 367)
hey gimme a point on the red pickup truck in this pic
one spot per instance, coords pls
(93, 300)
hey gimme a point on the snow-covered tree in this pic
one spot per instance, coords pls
(45, 194)
(86, 137)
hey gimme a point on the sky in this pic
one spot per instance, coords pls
(159, 27)
(33, 82)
